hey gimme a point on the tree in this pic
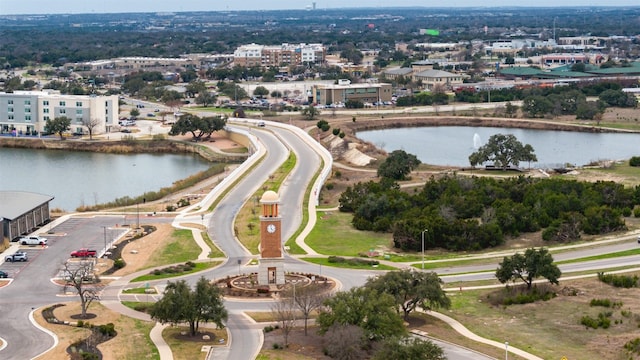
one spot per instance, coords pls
(283, 311)
(134, 112)
(372, 311)
(411, 289)
(345, 342)
(79, 275)
(503, 150)
(536, 106)
(307, 299)
(195, 87)
(205, 98)
(310, 112)
(260, 91)
(409, 348)
(58, 126)
(181, 304)
(398, 165)
(197, 126)
(533, 264)
(90, 124)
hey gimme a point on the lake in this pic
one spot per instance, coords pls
(452, 145)
(85, 178)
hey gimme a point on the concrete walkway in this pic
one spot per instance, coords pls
(461, 329)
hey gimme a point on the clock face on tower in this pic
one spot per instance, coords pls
(271, 228)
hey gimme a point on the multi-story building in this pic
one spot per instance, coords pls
(341, 93)
(278, 55)
(27, 112)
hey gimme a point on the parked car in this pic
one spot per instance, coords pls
(84, 253)
(18, 256)
(3, 274)
(33, 240)
(261, 124)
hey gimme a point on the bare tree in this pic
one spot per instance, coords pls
(91, 124)
(283, 311)
(307, 299)
(80, 275)
(345, 342)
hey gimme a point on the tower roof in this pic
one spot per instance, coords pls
(270, 197)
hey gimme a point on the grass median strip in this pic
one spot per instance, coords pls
(172, 271)
(362, 264)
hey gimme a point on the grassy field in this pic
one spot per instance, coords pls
(185, 347)
(334, 235)
(551, 329)
(181, 248)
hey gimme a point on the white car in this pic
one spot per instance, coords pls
(33, 240)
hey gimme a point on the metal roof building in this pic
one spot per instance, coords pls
(22, 212)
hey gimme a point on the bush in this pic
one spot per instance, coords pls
(600, 302)
(623, 281)
(634, 161)
(636, 212)
(336, 131)
(171, 208)
(119, 263)
(107, 329)
(602, 321)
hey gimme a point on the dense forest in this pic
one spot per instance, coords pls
(463, 213)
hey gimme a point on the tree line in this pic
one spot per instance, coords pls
(464, 213)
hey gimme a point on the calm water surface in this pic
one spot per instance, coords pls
(452, 145)
(83, 178)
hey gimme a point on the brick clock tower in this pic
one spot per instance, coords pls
(271, 268)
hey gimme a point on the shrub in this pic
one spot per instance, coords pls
(107, 329)
(171, 208)
(600, 302)
(268, 329)
(636, 212)
(329, 186)
(626, 211)
(623, 281)
(336, 131)
(634, 161)
(119, 263)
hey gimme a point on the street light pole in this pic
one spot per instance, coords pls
(506, 350)
(105, 241)
(423, 231)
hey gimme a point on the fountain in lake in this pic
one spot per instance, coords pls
(476, 141)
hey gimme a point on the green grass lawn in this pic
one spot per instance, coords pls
(334, 235)
(325, 262)
(181, 248)
(198, 267)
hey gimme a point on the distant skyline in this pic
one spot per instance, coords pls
(13, 7)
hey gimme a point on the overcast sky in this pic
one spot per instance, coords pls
(118, 6)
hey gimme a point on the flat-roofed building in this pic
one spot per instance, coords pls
(277, 55)
(432, 78)
(341, 93)
(22, 212)
(27, 112)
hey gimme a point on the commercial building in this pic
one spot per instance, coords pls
(341, 93)
(22, 212)
(279, 55)
(26, 112)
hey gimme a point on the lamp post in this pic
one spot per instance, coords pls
(423, 231)
(105, 241)
(506, 350)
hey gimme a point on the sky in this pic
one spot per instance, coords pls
(10, 7)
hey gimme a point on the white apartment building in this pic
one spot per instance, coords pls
(278, 55)
(25, 113)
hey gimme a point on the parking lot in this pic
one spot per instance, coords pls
(91, 232)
